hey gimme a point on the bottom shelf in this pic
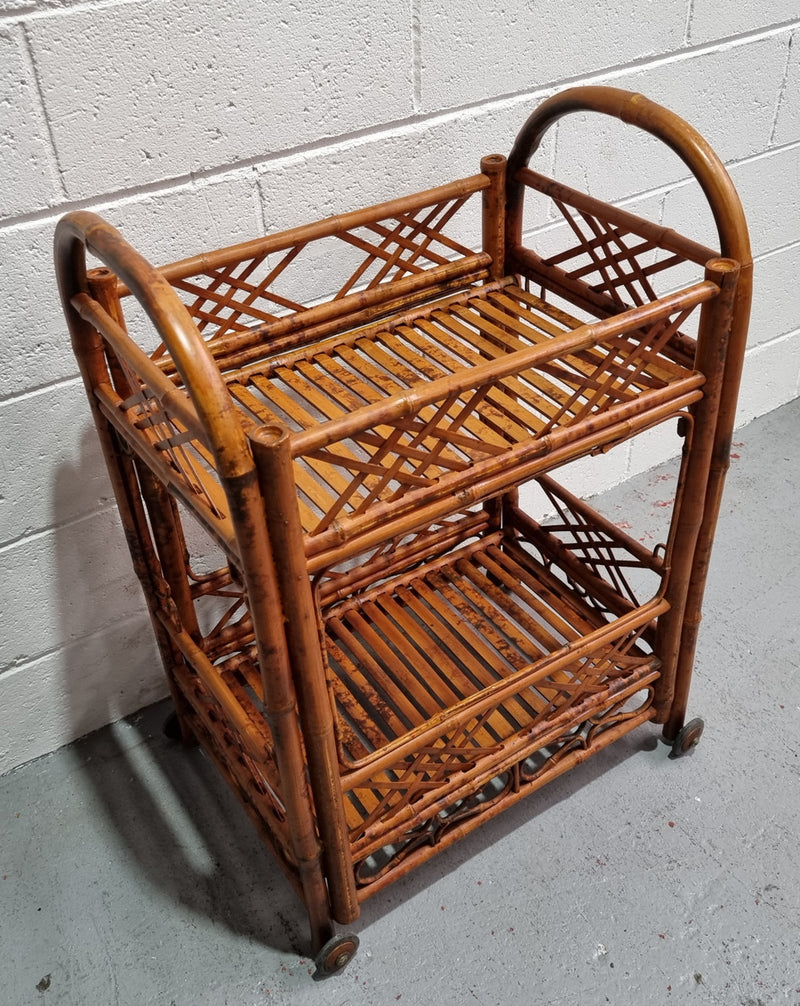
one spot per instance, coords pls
(471, 677)
(466, 667)
(424, 835)
(459, 626)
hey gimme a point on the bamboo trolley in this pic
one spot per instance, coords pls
(388, 649)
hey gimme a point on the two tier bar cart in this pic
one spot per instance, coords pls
(362, 621)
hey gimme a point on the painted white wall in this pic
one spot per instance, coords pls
(192, 125)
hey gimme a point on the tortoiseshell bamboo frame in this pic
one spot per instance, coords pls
(426, 505)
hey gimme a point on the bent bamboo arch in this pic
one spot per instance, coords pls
(637, 110)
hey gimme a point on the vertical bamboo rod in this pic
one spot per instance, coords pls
(147, 567)
(280, 699)
(169, 541)
(494, 211)
(104, 288)
(161, 509)
(89, 349)
(714, 331)
(734, 243)
(273, 457)
(720, 462)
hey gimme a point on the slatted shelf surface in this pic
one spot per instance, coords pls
(414, 648)
(410, 652)
(333, 379)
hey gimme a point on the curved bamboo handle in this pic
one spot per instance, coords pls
(666, 126)
(724, 202)
(81, 230)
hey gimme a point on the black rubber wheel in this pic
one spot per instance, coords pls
(688, 738)
(172, 727)
(335, 956)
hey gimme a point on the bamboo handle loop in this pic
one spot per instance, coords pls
(636, 110)
(82, 230)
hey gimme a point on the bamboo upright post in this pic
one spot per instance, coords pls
(715, 323)
(494, 212)
(272, 453)
(726, 208)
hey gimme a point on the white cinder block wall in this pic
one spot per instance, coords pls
(190, 125)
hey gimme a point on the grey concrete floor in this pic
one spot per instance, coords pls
(130, 876)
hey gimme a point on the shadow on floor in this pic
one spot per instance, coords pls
(151, 787)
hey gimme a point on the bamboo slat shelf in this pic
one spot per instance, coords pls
(375, 642)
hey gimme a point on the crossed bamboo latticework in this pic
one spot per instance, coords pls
(383, 649)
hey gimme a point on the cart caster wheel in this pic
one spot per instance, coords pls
(688, 738)
(172, 727)
(335, 956)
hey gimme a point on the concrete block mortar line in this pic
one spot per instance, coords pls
(396, 127)
(783, 350)
(24, 664)
(34, 70)
(551, 167)
(131, 194)
(752, 158)
(16, 14)
(28, 538)
(782, 89)
(768, 344)
(37, 389)
(43, 389)
(416, 53)
(56, 8)
(779, 250)
(730, 165)
(260, 201)
(687, 32)
(725, 44)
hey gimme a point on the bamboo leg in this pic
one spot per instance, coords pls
(280, 697)
(90, 354)
(145, 561)
(165, 525)
(713, 498)
(141, 483)
(271, 450)
(715, 321)
(241, 487)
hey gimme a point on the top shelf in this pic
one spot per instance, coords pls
(402, 422)
(428, 381)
